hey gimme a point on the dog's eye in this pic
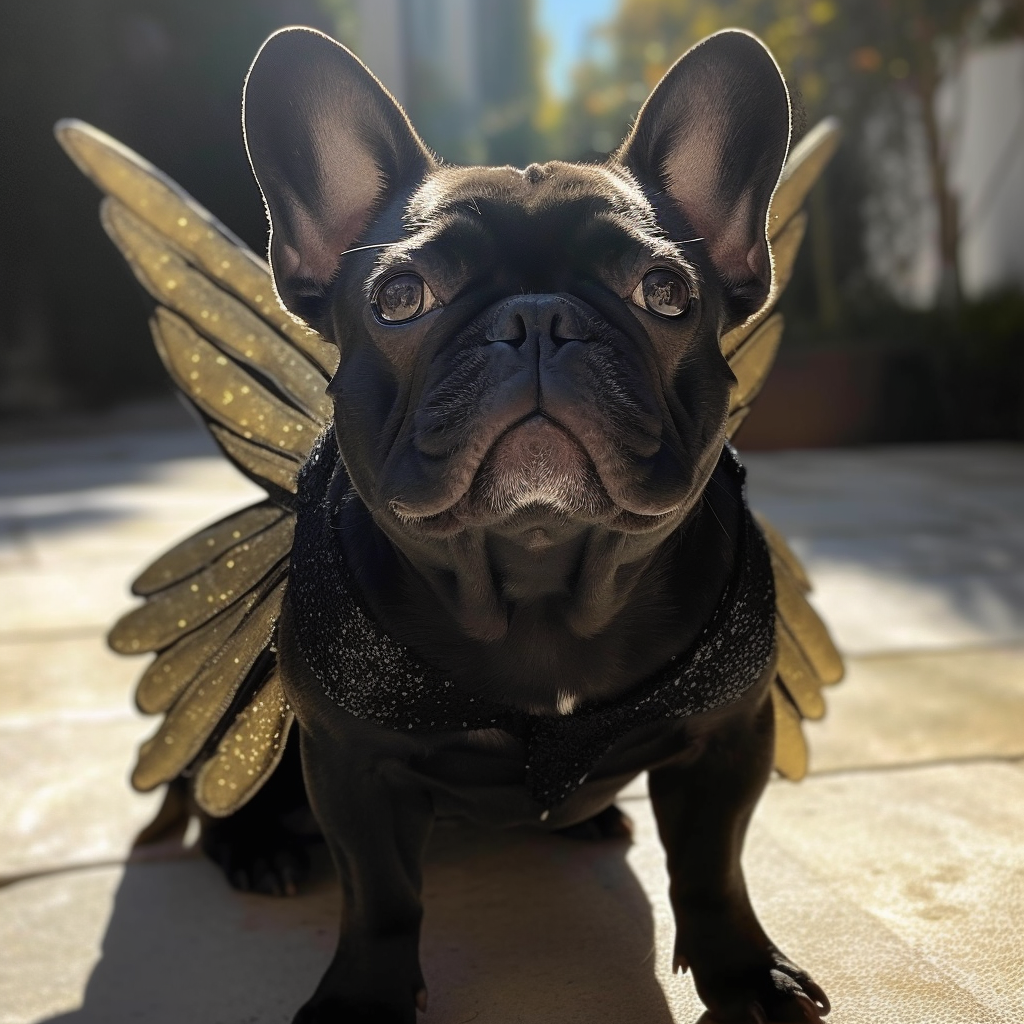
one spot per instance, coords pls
(401, 298)
(663, 292)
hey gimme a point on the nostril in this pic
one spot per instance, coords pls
(509, 328)
(568, 325)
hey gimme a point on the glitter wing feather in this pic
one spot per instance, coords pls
(257, 378)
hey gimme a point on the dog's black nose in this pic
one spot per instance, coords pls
(523, 317)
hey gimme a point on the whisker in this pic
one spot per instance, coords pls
(725, 490)
(376, 245)
(711, 509)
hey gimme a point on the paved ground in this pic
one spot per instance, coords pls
(895, 873)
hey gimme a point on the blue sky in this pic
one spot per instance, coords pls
(565, 23)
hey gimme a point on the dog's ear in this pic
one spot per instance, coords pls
(330, 147)
(713, 137)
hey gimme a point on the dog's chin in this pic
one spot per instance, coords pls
(537, 465)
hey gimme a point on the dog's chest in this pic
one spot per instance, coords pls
(372, 678)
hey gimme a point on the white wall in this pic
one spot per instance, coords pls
(981, 110)
(988, 165)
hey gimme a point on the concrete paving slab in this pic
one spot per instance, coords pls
(918, 707)
(57, 678)
(870, 610)
(174, 493)
(916, 548)
(65, 799)
(39, 602)
(80, 517)
(76, 576)
(68, 732)
(129, 534)
(886, 489)
(158, 943)
(934, 854)
(36, 476)
(902, 906)
(51, 933)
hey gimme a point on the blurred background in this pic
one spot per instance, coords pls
(905, 317)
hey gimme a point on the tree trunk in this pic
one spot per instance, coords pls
(947, 207)
(830, 303)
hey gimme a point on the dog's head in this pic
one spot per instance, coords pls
(535, 350)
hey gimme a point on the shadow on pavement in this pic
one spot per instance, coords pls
(36, 469)
(519, 927)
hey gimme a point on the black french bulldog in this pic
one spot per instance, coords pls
(535, 539)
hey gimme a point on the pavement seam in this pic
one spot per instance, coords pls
(911, 653)
(33, 636)
(69, 716)
(939, 762)
(135, 857)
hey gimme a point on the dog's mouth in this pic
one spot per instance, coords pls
(535, 464)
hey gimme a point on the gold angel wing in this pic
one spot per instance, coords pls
(257, 378)
(807, 658)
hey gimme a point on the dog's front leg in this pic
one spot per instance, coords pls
(376, 821)
(703, 808)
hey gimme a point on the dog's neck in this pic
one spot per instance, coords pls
(546, 618)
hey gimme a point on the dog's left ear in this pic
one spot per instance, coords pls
(714, 135)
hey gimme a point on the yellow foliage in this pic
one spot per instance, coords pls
(822, 12)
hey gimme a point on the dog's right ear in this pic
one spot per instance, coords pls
(330, 147)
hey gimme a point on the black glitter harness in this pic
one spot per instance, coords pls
(372, 677)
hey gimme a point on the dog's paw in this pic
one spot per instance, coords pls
(610, 823)
(769, 990)
(344, 1000)
(370, 981)
(273, 862)
(342, 1011)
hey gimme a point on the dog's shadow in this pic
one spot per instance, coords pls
(519, 927)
